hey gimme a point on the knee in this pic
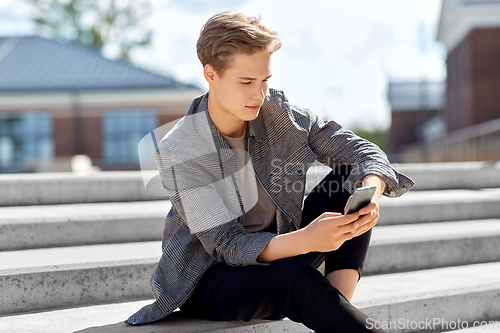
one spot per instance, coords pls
(296, 271)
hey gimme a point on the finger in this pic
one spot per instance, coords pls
(339, 219)
(347, 236)
(355, 226)
(364, 229)
(361, 231)
(371, 206)
(328, 216)
(347, 219)
(347, 228)
(331, 214)
(367, 218)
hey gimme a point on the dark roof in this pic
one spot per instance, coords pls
(38, 64)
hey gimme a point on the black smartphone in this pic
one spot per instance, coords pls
(361, 197)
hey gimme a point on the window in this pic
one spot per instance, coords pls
(122, 131)
(25, 139)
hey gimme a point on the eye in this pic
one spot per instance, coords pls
(246, 83)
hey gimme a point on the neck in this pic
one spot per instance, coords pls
(225, 124)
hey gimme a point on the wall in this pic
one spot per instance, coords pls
(473, 79)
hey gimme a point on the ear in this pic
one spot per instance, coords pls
(209, 73)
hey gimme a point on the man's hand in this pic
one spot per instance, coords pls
(328, 231)
(369, 214)
(324, 234)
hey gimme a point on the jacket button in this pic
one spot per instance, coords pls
(299, 172)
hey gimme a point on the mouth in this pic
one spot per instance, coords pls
(253, 107)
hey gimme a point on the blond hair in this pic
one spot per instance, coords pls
(229, 33)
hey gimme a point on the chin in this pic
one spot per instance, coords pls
(252, 116)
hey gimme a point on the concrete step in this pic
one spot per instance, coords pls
(102, 273)
(452, 175)
(400, 248)
(30, 227)
(438, 206)
(66, 187)
(467, 293)
(24, 227)
(109, 318)
(434, 176)
(466, 191)
(53, 278)
(488, 326)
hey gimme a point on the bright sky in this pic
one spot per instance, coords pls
(337, 56)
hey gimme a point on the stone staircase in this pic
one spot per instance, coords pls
(77, 252)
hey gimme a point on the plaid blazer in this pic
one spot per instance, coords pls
(200, 173)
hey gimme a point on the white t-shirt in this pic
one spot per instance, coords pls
(263, 214)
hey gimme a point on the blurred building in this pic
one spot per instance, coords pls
(417, 114)
(58, 100)
(470, 30)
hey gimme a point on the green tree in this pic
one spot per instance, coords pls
(95, 23)
(376, 135)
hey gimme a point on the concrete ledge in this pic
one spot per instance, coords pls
(468, 292)
(66, 187)
(97, 255)
(439, 206)
(29, 227)
(489, 326)
(109, 318)
(55, 287)
(411, 247)
(25, 227)
(54, 278)
(452, 175)
(65, 276)
(177, 323)
(434, 176)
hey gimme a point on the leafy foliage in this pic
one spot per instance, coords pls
(376, 135)
(95, 23)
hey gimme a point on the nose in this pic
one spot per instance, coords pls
(259, 92)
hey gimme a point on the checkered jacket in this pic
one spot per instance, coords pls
(199, 172)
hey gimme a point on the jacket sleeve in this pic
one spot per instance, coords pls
(335, 145)
(210, 207)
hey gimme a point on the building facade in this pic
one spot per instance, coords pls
(58, 100)
(471, 32)
(470, 115)
(417, 114)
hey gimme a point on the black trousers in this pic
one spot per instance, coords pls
(290, 287)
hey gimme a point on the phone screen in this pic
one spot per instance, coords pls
(361, 197)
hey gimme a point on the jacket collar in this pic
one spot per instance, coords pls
(256, 126)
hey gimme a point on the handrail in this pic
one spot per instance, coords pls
(474, 143)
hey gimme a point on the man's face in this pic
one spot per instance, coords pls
(239, 93)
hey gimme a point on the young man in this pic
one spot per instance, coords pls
(238, 245)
